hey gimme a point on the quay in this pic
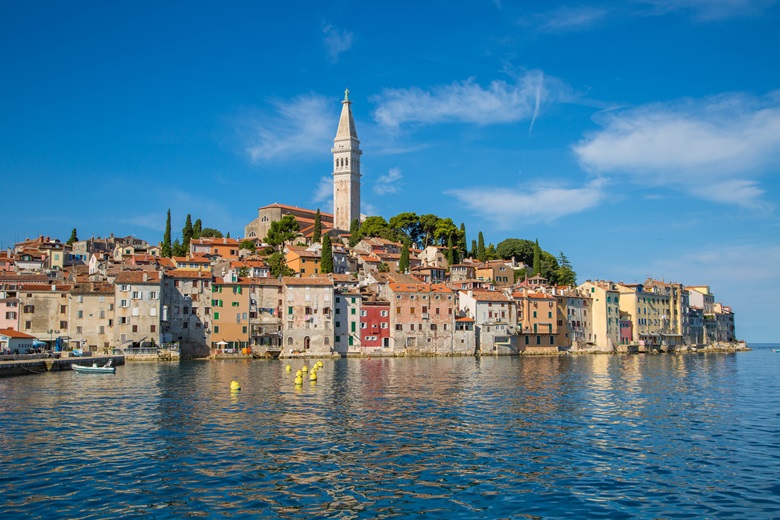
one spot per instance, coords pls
(41, 365)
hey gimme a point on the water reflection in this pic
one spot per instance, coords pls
(489, 437)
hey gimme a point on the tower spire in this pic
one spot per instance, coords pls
(346, 169)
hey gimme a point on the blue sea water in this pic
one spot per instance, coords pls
(647, 436)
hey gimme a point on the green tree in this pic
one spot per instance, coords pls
(565, 275)
(481, 253)
(316, 235)
(243, 271)
(186, 235)
(326, 265)
(73, 238)
(446, 230)
(383, 267)
(197, 229)
(376, 226)
(282, 231)
(277, 265)
(549, 267)
(518, 249)
(491, 253)
(354, 233)
(178, 249)
(428, 225)
(210, 233)
(403, 262)
(537, 259)
(462, 242)
(228, 235)
(408, 225)
(249, 245)
(167, 251)
(450, 252)
(473, 252)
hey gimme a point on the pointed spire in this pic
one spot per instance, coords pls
(346, 128)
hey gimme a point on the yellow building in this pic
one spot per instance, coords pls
(230, 314)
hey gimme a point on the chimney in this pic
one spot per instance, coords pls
(146, 276)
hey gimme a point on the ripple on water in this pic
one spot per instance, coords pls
(596, 437)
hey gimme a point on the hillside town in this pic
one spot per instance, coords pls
(217, 296)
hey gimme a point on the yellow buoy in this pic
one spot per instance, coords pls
(234, 385)
(319, 364)
(305, 368)
(298, 381)
(313, 375)
(288, 368)
(298, 373)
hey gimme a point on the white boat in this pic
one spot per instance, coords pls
(95, 369)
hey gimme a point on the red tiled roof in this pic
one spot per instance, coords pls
(15, 334)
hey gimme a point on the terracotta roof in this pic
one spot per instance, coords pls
(15, 334)
(94, 288)
(419, 287)
(137, 277)
(265, 281)
(188, 273)
(489, 296)
(464, 319)
(314, 280)
(284, 206)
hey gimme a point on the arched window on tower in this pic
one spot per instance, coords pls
(264, 218)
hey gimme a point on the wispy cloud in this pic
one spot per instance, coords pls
(323, 194)
(336, 41)
(537, 203)
(388, 183)
(468, 102)
(713, 148)
(297, 127)
(707, 10)
(566, 19)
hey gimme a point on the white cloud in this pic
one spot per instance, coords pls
(388, 183)
(303, 125)
(469, 102)
(324, 194)
(707, 10)
(539, 203)
(566, 19)
(336, 41)
(712, 148)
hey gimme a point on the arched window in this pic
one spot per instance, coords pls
(264, 218)
(252, 234)
(327, 340)
(289, 342)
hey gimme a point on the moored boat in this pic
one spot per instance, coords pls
(95, 369)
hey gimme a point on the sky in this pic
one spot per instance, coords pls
(640, 138)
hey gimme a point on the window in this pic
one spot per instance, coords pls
(352, 326)
(398, 326)
(216, 315)
(153, 311)
(152, 328)
(352, 310)
(63, 309)
(124, 303)
(363, 325)
(29, 309)
(135, 328)
(383, 313)
(289, 310)
(364, 313)
(153, 295)
(216, 329)
(122, 320)
(101, 330)
(27, 324)
(234, 304)
(78, 330)
(80, 314)
(384, 325)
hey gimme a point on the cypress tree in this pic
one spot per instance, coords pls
(481, 253)
(186, 235)
(73, 237)
(326, 264)
(403, 262)
(167, 251)
(450, 252)
(354, 233)
(462, 240)
(197, 229)
(316, 235)
(537, 259)
(473, 252)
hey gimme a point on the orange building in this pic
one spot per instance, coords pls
(230, 314)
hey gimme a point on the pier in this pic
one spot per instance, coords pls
(41, 365)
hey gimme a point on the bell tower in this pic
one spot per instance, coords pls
(346, 169)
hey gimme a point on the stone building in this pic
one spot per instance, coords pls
(91, 316)
(346, 169)
(186, 316)
(137, 309)
(307, 316)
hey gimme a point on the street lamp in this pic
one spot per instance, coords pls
(51, 337)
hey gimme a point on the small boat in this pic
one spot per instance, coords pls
(95, 369)
(776, 350)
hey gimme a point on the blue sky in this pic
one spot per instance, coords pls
(641, 140)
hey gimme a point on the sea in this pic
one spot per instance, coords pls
(591, 436)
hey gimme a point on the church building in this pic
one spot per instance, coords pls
(346, 187)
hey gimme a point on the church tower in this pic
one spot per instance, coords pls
(346, 169)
